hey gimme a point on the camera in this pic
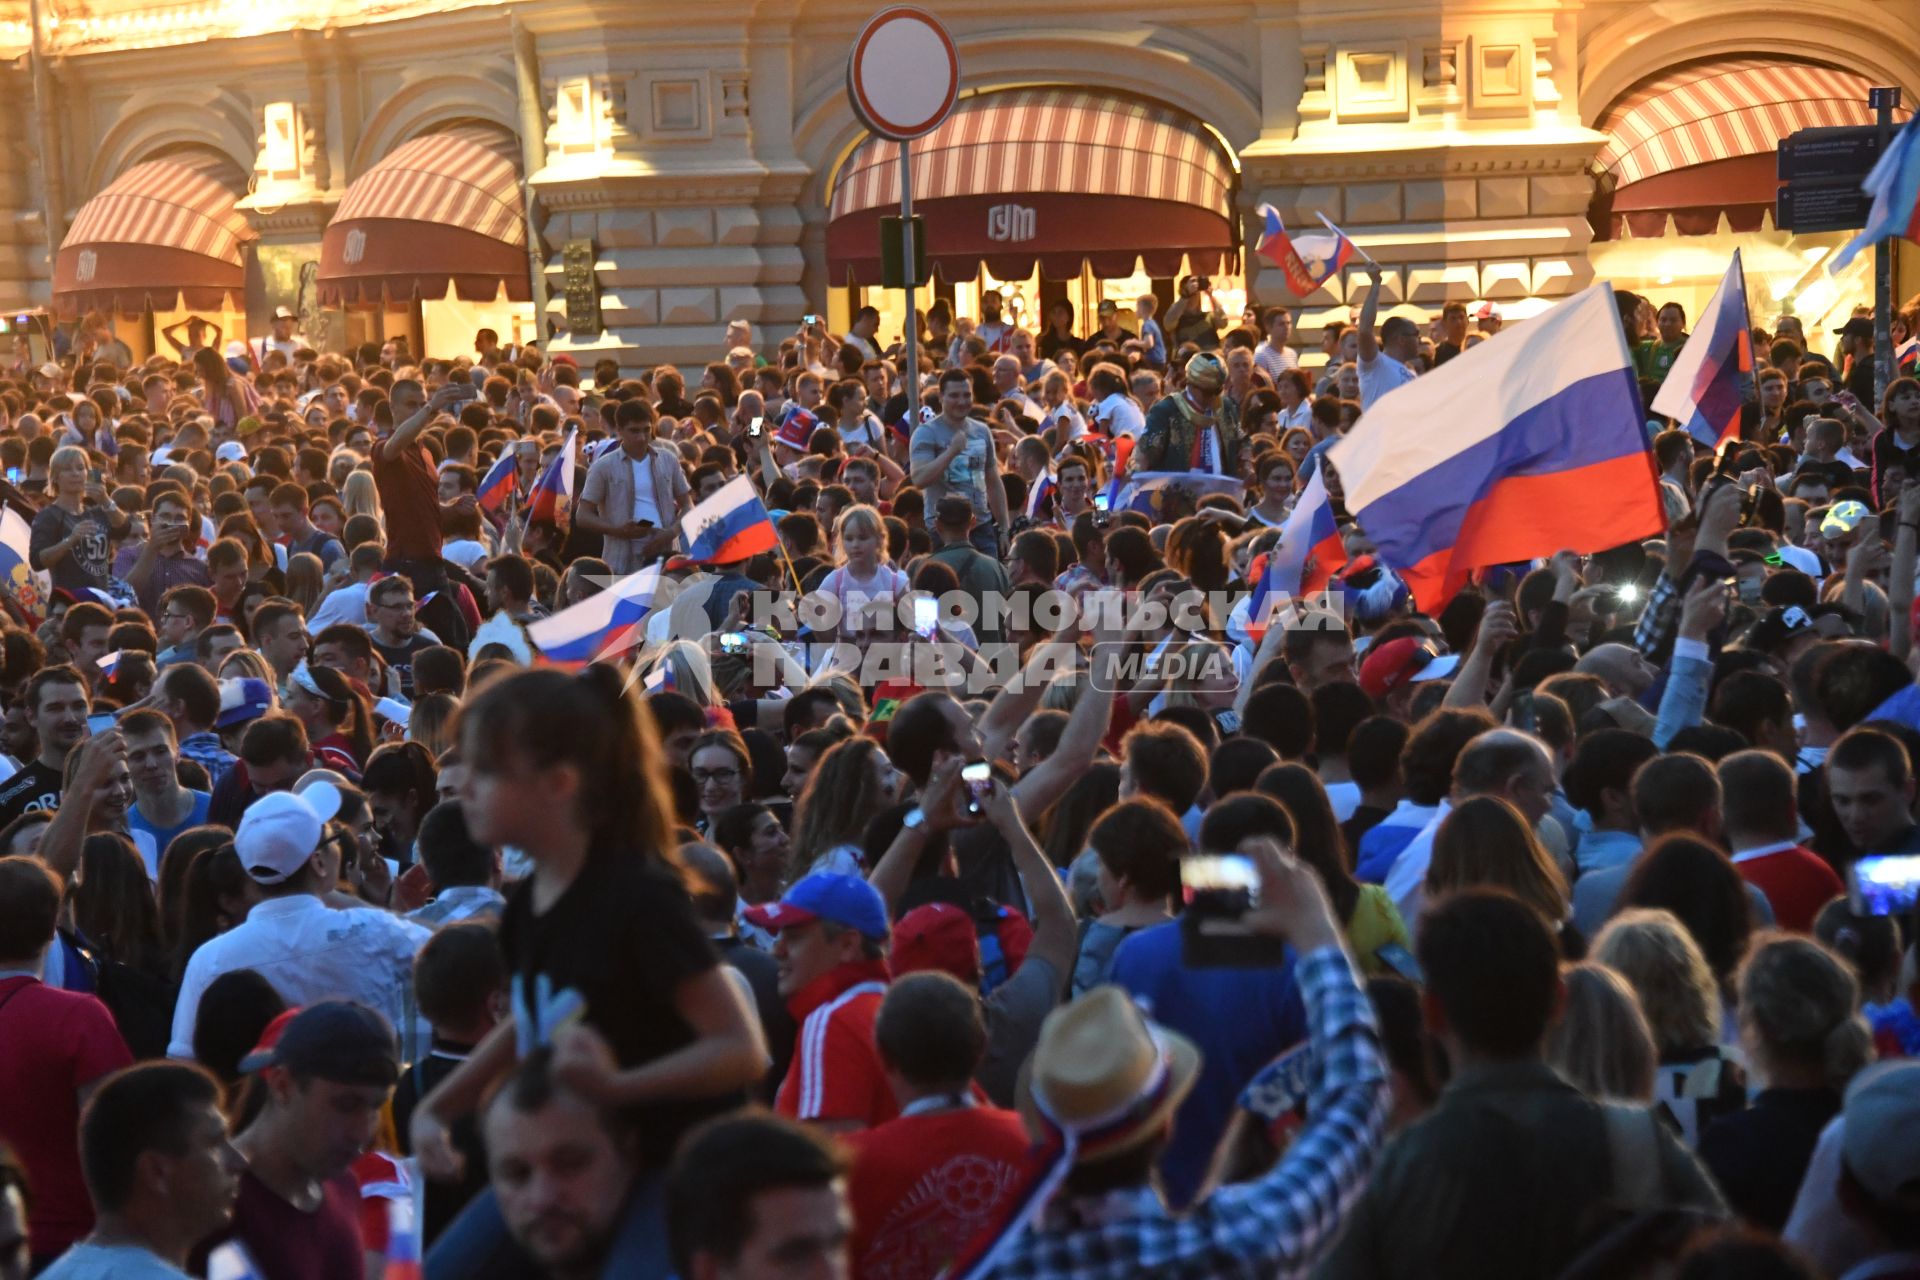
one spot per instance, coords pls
(1219, 889)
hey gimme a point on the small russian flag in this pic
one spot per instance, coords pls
(729, 526)
(1040, 498)
(552, 496)
(1307, 261)
(497, 484)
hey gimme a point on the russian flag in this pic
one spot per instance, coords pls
(497, 484)
(552, 496)
(1532, 442)
(1040, 498)
(602, 626)
(1713, 374)
(730, 525)
(1309, 551)
(16, 568)
(1894, 184)
(1308, 261)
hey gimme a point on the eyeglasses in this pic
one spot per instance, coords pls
(706, 777)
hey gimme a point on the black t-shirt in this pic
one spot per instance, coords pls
(624, 936)
(1052, 344)
(445, 1200)
(400, 658)
(34, 788)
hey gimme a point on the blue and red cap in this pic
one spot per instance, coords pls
(847, 901)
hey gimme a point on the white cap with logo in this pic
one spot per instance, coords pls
(281, 830)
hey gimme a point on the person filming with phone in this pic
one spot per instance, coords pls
(165, 560)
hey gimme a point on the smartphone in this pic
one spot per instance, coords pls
(1218, 890)
(733, 642)
(1885, 884)
(100, 722)
(977, 775)
(1400, 960)
(753, 428)
(13, 475)
(96, 475)
(1100, 502)
(809, 319)
(926, 616)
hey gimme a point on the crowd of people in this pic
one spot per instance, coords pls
(971, 880)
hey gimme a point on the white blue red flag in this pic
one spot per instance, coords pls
(552, 496)
(1040, 498)
(1541, 446)
(601, 627)
(1309, 551)
(497, 484)
(1712, 377)
(1894, 184)
(1145, 491)
(732, 524)
(1307, 260)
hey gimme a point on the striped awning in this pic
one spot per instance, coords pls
(1694, 135)
(1054, 175)
(163, 233)
(442, 209)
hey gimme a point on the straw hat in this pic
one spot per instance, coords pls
(1105, 1074)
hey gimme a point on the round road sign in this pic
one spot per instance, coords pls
(903, 74)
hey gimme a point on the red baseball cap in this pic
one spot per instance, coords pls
(939, 936)
(1407, 660)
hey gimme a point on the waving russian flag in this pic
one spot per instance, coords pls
(1308, 552)
(497, 484)
(1713, 374)
(601, 627)
(1308, 261)
(1532, 442)
(552, 496)
(1894, 184)
(1040, 498)
(730, 525)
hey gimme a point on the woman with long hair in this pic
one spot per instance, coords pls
(1696, 881)
(338, 720)
(1805, 1039)
(359, 497)
(1698, 1080)
(1066, 824)
(850, 786)
(305, 576)
(1602, 1043)
(723, 382)
(610, 964)
(218, 894)
(227, 396)
(1484, 842)
(1372, 921)
(722, 770)
(176, 862)
(327, 515)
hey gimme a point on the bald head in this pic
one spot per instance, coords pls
(1620, 667)
(1510, 764)
(712, 881)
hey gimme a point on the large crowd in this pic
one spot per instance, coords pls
(971, 879)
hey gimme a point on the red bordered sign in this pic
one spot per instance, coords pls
(903, 74)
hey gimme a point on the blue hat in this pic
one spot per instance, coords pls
(242, 699)
(848, 901)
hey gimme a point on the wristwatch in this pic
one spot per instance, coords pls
(916, 819)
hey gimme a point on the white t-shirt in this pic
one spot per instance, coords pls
(466, 553)
(1120, 415)
(865, 429)
(645, 509)
(348, 604)
(1070, 426)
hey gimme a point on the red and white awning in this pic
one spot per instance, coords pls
(164, 232)
(1055, 175)
(442, 208)
(1698, 143)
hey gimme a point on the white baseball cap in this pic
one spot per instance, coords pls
(231, 451)
(281, 830)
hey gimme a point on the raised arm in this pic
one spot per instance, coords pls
(1369, 315)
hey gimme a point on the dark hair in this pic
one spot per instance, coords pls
(1604, 760)
(1281, 716)
(234, 1009)
(29, 907)
(1141, 841)
(930, 1030)
(1746, 700)
(723, 1165)
(273, 739)
(1318, 840)
(439, 669)
(1869, 748)
(1234, 818)
(1493, 966)
(1403, 1038)
(64, 673)
(1236, 765)
(403, 768)
(194, 688)
(458, 970)
(1432, 747)
(144, 1108)
(1167, 762)
(1698, 883)
(113, 902)
(1339, 707)
(347, 710)
(1074, 813)
(1671, 792)
(1853, 679)
(918, 730)
(1757, 790)
(1373, 750)
(448, 850)
(590, 722)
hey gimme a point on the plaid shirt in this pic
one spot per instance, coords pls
(204, 749)
(1278, 1225)
(1658, 618)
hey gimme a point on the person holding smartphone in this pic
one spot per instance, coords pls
(72, 534)
(165, 560)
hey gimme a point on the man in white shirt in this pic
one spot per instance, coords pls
(866, 323)
(1383, 362)
(348, 603)
(1500, 762)
(1274, 355)
(281, 336)
(635, 495)
(306, 949)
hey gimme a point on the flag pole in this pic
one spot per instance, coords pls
(1350, 240)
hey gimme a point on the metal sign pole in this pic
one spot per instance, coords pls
(910, 335)
(1883, 101)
